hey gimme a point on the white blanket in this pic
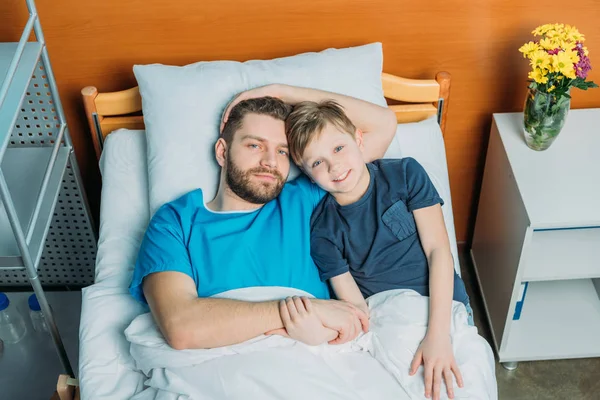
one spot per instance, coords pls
(373, 366)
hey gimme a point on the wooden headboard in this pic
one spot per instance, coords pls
(420, 98)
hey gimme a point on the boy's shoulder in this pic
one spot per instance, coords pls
(391, 170)
(393, 165)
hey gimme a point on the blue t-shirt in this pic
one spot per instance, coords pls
(376, 237)
(222, 251)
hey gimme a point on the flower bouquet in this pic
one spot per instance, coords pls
(559, 61)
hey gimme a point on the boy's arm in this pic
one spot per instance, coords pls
(435, 350)
(434, 239)
(346, 289)
(378, 124)
(332, 264)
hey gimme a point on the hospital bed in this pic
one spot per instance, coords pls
(106, 368)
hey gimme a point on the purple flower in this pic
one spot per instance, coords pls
(583, 66)
(555, 51)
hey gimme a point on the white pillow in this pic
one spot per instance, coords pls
(124, 210)
(183, 106)
(424, 142)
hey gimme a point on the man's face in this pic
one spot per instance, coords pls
(257, 159)
(334, 160)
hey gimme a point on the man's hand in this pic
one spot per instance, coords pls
(302, 322)
(435, 352)
(343, 317)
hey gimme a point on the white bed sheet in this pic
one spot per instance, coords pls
(106, 368)
(274, 368)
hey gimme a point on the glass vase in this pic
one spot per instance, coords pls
(544, 116)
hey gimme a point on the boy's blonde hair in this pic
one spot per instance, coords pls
(307, 121)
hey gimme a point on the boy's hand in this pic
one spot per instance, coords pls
(302, 322)
(273, 90)
(435, 352)
(343, 317)
(365, 309)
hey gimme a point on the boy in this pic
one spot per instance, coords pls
(380, 227)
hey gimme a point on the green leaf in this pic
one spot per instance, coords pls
(580, 84)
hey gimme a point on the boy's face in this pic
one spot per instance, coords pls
(334, 160)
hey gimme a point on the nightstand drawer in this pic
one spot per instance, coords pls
(563, 254)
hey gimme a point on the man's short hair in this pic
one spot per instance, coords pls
(308, 120)
(270, 106)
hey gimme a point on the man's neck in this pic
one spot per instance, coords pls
(226, 200)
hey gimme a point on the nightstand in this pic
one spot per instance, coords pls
(538, 226)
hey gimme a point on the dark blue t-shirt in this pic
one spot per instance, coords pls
(376, 237)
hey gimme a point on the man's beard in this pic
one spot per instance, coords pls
(241, 183)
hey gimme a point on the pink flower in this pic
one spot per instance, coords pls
(555, 51)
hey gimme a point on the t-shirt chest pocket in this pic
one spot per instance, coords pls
(399, 220)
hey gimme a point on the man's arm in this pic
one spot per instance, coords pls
(190, 322)
(378, 124)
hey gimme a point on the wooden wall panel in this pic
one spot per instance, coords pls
(96, 42)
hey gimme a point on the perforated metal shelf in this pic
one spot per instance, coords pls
(25, 171)
(10, 106)
(68, 253)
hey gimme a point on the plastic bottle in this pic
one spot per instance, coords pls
(37, 317)
(12, 325)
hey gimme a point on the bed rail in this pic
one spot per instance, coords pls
(419, 99)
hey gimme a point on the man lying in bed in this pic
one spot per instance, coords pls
(255, 232)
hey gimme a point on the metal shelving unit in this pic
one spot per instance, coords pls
(32, 171)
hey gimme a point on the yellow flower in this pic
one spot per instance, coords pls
(573, 56)
(528, 48)
(549, 44)
(585, 51)
(570, 72)
(540, 59)
(551, 88)
(554, 34)
(538, 75)
(540, 30)
(562, 63)
(567, 44)
(573, 34)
